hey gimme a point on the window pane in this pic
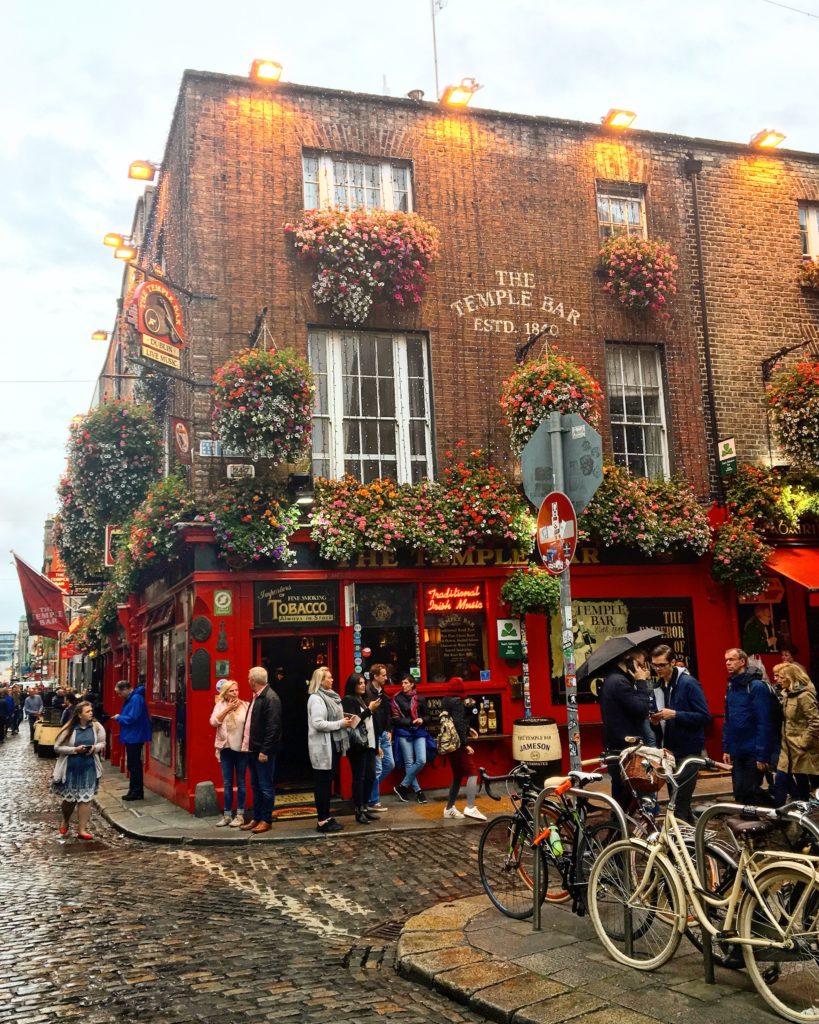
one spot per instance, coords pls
(352, 406)
(653, 440)
(386, 397)
(352, 437)
(370, 471)
(419, 471)
(321, 468)
(634, 407)
(654, 467)
(353, 467)
(320, 436)
(366, 354)
(369, 396)
(617, 409)
(385, 356)
(618, 211)
(634, 439)
(369, 437)
(317, 353)
(618, 439)
(386, 432)
(418, 437)
(415, 357)
(416, 397)
(311, 196)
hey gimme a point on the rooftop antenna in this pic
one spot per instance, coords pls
(436, 5)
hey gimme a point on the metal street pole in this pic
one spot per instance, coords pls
(566, 634)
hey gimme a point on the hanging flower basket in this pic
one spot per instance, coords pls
(550, 384)
(531, 591)
(740, 557)
(793, 400)
(639, 274)
(77, 538)
(809, 274)
(263, 404)
(152, 529)
(114, 455)
(253, 522)
(363, 257)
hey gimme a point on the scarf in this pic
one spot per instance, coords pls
(335, 713)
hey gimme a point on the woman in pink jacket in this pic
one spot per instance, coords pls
(228, 719)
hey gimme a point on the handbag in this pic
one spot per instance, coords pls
(358, 736)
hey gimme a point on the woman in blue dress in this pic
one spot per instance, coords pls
(77, 772)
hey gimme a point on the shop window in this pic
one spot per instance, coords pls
(809, 230)
(353, 183)
(387, 614)
(162, 686)
(372, 415)
(637, 409)
(454, 631)
(621, 210)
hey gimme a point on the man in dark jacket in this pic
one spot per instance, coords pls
(134, 733)
(382, 723)
(262, 736)
(624, 708)
(746, 735)
(683, 719)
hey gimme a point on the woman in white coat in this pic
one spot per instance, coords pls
(327, 741)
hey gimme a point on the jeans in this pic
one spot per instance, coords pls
(747, 780)
(688, 782)
(383, 765)
(414, 753)
(261, 782)
(133, 762)
(794, 786)
(362, 763)
(234, 763)
(32, 721)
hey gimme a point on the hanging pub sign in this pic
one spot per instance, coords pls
(114, 538)
(291, 605)
(182, 444)
(157, 315)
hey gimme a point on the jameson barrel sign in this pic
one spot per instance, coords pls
(289, 605)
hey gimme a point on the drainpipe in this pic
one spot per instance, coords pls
(692, 170)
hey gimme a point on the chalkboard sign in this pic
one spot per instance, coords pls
(455, 645)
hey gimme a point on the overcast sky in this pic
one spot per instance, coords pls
(91, 85)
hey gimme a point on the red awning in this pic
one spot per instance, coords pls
(799, 564)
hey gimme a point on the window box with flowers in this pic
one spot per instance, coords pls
(639, 273)
(550, 384)
(263, 404)
(793, 400)
(809, 274)
(365, 256)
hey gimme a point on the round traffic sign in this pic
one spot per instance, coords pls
(556, 532)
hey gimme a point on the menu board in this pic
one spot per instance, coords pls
(454, 645)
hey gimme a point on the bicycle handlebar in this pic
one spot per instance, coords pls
(522, 771)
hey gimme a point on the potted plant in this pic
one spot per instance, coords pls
(365, 256)
(639, 274)
(809, 274)
(740, 557)
(263, 404)
(531, 591)
(152, 527)
(252, 521)
(793, 400)
(552, 383)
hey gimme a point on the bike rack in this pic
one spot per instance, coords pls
(537, 873)
(699, 848)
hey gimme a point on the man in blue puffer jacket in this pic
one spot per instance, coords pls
(747, 733)
(134, 732)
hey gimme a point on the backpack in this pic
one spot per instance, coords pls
(448, 739)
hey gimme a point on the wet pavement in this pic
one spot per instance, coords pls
(292, 925)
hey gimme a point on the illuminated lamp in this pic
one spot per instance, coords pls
(99, 336)
(460, 95)
(619, 118)
(142, 170)
(125, 252)
(113, 239)
(767, 139)
(266, 71)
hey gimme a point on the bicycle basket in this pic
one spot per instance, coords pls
(646, 768)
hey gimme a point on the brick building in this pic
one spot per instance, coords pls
(522, 204)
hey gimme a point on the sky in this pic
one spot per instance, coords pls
(89, 86)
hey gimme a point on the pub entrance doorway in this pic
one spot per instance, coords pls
(290, 662)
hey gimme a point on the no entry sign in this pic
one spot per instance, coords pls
(556, 532)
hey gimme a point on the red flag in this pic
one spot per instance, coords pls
(43, 601)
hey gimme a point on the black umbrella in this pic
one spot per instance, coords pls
(613, 650)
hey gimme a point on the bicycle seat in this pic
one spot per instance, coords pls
(744, 828)
(584, 778)
(554, 781)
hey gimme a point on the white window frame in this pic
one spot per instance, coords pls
(621, 190)
(640, 350)
(809, 230)
(334, 414)
(326, 179)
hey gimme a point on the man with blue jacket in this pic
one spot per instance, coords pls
(134, 733)
(682, 718)
(747, 733)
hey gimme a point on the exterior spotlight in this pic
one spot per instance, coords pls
(142, 170)
(767, 139)
(460, 95)
(113, 239)
(619, 118)
(125, 252)
(266, 71)
(99, 336)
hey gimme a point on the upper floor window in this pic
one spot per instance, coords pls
(637, 409)
(373, 412)
(809, 230)
(353, 183)
(621, 209)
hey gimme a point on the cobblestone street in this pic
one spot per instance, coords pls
(118, 930)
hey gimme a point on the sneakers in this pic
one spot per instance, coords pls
(473, 812)
(419, 796)
(329, 826)
(402, 793)
(376, 807)
(452, 812)
(224, 820)
(238, 821)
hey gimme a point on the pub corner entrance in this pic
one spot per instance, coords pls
(290, 662)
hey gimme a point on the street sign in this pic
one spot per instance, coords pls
(556, 533)
(582, 449)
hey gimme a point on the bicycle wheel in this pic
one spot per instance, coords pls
(505, 864)
(787, 979)
(553, 816)
(721, 872)
(617, 887)
(591, 841)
